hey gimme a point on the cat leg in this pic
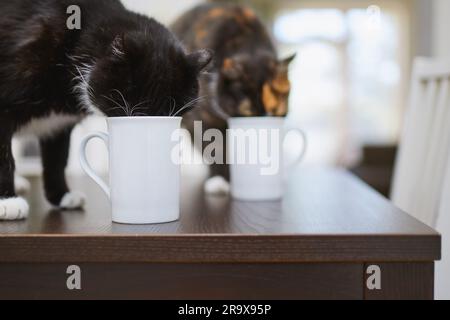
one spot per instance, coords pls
(217, 186)
(218, 183)
(11, 206)
(54, 153)
(21, 184)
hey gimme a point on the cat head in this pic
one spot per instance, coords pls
(145, 74)
(254, 85)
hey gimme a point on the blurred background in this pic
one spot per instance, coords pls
(349, 83)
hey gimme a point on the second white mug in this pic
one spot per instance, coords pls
(259, 177)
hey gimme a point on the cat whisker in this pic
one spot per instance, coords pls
(119, 106)
(172, 107)
(140, 114)
(185, 107)
(143, 102)
(189, 105)
(124, 101)
(133, 112)
(138, 106)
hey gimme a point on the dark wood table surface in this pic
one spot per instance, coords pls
(320, 242)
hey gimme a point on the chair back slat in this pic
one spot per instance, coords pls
(425, 141)
(432, 176)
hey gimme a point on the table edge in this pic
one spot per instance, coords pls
(218, 248)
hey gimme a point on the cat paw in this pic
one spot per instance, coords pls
(21, 185)
(73, 200)
(217, 186)
(13, 209)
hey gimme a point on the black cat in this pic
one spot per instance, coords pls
(246, 78)
(118, 63)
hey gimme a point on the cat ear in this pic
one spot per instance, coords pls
(288, 60)
(118, 46)
(232, 69)
(200, 59)
(284, 64)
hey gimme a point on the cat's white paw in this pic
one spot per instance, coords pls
(21, 185)
(13, 209)
(217, 186)
(73, 200)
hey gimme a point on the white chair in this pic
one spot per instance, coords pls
(423, 168)
(443, 226)
(425, 143)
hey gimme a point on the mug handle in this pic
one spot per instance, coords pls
(302, 154)
(85, 164)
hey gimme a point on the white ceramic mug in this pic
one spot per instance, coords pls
(144, 179)
(261, 180)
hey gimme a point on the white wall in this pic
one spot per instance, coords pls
(164, 11)
(441, 28)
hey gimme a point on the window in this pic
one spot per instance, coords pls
(348, 81)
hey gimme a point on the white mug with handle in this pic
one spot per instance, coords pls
(144, 181)
(259, 177)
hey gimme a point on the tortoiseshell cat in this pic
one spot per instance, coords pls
(119, 63)
(246, 78)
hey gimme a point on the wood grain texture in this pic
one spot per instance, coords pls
(403, 281)
(327, 216)
(216, 248)
(185, 281)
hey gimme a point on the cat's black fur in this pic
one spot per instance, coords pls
(119, 63)
(246, 79)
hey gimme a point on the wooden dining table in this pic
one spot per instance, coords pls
(331, 237)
